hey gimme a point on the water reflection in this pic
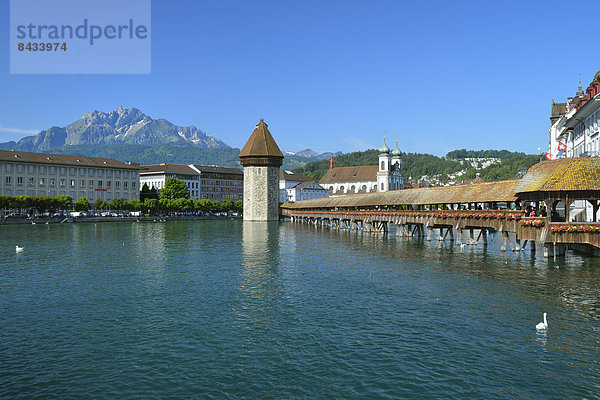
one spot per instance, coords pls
(571, 280)
(259, 285)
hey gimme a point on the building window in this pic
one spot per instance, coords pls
(8, 180)
(99, 173)
(62, 182)
(109, 174)
(30, 169)
(62, 171)
(20, 180)
(19, 168)
(125, 185)
(91, 183)
(42, 169)
(382, 187)
(133, 184)
(99, 183)
(42, 181)
(91, 172)
(117, 174)
(72, 171)
(31, 181)
(125, 174)
(117, 184)
(72, 183)
(82, 183)
(81, 173)
(108, 183)
(52, 181)
(52, 170)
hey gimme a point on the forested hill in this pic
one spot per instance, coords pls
(513, 165)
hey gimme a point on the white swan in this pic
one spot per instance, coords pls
(18, 249)
(542, 326)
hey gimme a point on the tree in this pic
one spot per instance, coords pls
(4, 201)
(151, 204)
(215, 206)
(100, 204)
(180, 204)
(134, 205)
(82, 204)
(64, 202)
(205, 205)
(174, 189)
(238, 206)
(117, 204)
(147, 193)
(165, 204)
(227, 205)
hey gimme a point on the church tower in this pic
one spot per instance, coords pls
(261, 159)
(383, 175)
(396, 180)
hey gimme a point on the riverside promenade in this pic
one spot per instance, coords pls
(156, 218)
(466, 213)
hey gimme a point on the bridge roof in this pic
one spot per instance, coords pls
(480, 193)
(565, 174)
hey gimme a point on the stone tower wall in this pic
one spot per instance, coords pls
(261, 193)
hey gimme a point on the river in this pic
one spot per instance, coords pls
(231, 309)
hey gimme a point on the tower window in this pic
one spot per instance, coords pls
(383, 165)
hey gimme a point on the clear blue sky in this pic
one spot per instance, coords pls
(336, 75)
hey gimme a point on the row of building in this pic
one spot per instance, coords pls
(37, 174)
(575, 132)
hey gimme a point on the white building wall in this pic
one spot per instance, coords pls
(34, 179)
(351, 187)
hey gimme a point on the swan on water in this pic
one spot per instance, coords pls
(542, 326)
(18, 249)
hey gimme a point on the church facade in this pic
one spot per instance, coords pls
(385, 176)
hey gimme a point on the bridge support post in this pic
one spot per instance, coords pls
(554, 249)
(471, 240)
(483, 236)
(399, 230)
(429, 232)
(532, 246)
(458, 235)
(505, 238)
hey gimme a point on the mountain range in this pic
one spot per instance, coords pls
(130, 135)
(121, 126)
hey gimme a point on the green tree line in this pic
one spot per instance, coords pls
(53, 204)
(415, 165)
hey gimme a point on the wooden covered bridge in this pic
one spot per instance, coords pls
(553, 190)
